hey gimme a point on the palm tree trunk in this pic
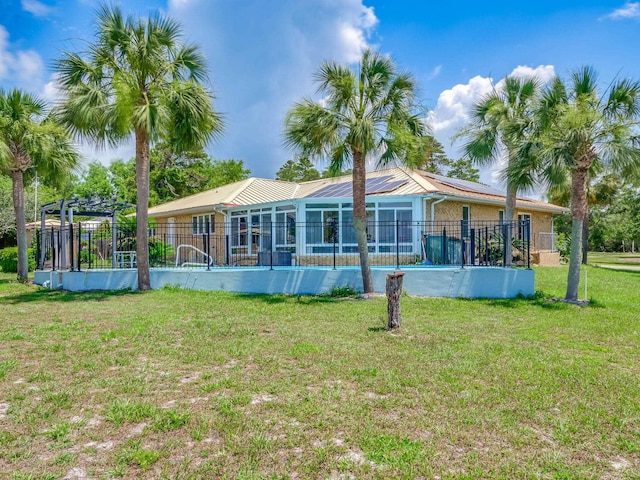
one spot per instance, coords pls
(509, 213)
(510, 204)
(360, 219)
(585, 238)
(578, 208)
(142, 214)
(21, 228)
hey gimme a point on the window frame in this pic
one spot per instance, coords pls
(198, 223)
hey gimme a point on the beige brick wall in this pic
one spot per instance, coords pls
(183, 234)
(450, 210)
(353, 260)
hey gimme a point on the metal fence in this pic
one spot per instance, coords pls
(546, 242)
(272, 244)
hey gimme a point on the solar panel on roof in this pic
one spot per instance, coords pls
(469, 186)
(385, 187)
(345, 189)
(334, 190)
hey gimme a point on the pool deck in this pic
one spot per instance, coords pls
(469, 282)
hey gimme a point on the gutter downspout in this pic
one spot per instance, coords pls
(433, 204)
(217, 208)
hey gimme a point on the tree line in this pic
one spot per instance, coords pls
(139, 79)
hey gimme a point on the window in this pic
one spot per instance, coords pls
(239, 233)
(199, 224)
(389, 227)
(285, 230)
(522, 228)
(500, 216)
(349, 238)
(466, 217)
(395, 219)
(261, 229)
(322, 229)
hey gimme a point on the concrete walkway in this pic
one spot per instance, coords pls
(633, 268)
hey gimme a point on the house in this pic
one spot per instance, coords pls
(312, 219)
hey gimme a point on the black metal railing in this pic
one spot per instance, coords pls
(270, 244)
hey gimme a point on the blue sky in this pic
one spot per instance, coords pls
(262, 53)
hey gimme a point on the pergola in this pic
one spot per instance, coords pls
(84, 207)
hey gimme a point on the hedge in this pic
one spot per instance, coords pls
(9, 259)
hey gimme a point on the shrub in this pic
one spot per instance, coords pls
(159, 251)
(9, 259)
(563, 244)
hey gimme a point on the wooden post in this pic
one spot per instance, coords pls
(394, 291)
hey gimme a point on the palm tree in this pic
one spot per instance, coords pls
(601, 191)
(367, 112)
(582, 129)
(138, 78)
(502, 122)
(31, 140)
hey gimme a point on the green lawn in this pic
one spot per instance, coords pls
(192, 385)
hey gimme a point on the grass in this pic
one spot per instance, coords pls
(189, 385)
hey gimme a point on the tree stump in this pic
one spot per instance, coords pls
(394, 291)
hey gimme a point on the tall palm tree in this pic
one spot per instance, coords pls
(364, 113)
(31, 140)
(582, 128)
(601, 191)
(502, 122)
(138, 78)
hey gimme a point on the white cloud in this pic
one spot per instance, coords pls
(6, 59)
(435, 72)
(629, 10)
(28, 66)
(90, 152)
(452, 109)
(23, 66)
(51, 92)
(355, 32)
(544, 73)
(36, 8)
(262, 59)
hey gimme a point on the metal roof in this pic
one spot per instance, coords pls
(395, 181)
(250, 191)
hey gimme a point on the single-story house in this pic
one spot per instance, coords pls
(315, 218)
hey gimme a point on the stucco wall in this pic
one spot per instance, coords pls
(438, 282)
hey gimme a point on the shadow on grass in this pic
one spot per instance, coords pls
(539, 299)
(46, 295)
(279, 298)
(545, 303)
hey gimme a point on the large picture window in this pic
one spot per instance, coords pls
(389, 226)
